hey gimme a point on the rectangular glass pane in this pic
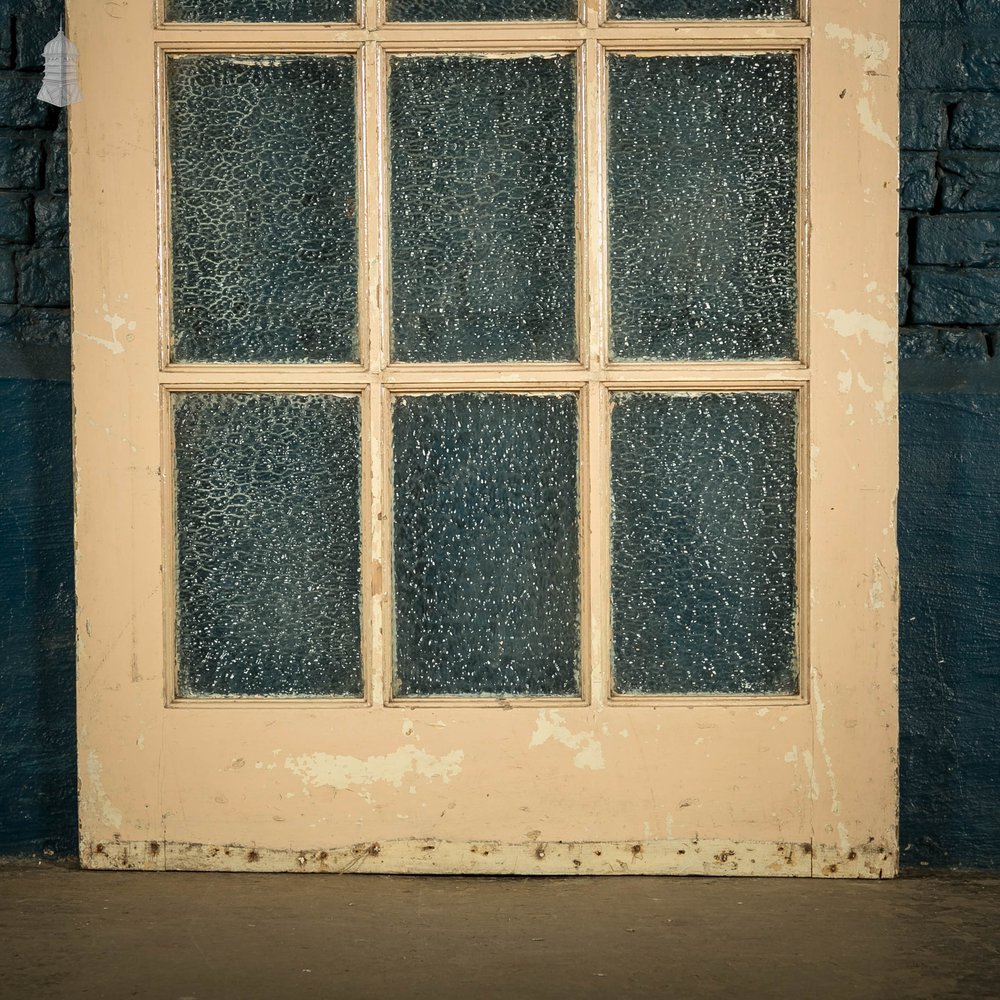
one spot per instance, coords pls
(481, 10)
(483, 226)
(268, 544)
(702, 9)
(263, 208)
(284, 11)
(486, 544)
(703, 543)
(703, 175)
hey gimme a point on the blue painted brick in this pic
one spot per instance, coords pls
(970, 182)
(930, 342)
(15, 217)
(44, 278)
(6, 39)
(19, 104)
(20, 163)
(922, 120)
(965, 296)
(975, 123)
(932, 59)
(29, 325)
(52, 221)
(917, 181)
(36, 23)
(56, 162)
(8, 277)
(958, 240)
(981, 57)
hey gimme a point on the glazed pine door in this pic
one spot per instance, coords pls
(486, 435)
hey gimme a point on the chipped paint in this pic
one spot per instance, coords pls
(872, 51)
(859, 325)
(807, 760)
(552, 726)
(820, 728)
(109, 814)
(324, 770)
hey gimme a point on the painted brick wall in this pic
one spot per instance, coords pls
(949, 512)
(950, 440)
(37, 694)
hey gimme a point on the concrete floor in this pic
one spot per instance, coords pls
(67, 933)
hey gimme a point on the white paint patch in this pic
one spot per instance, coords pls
(807, 759)
(845, 381)
(859, 325)
(115, 322)
(792, 756)
(552, 726)
(872, 49)
(326, 770)
(871, 125)
(108, 813)
(821, 740)
(844, 838)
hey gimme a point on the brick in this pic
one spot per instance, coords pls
(903, 300)
(15, 217)
(8, 277)
(56, 162)
(981, 57)
(928, 342)
(52, 221)
(958, 240)
(918, 181)
(975, 124)
(932, 59)
(922, 123)
(6, 38)
(905, 222)
(946, 296)
(20, 163)
(951, 12)
(44, 278)
(970, 182)
(34, 326)
(36, 23)
(19, 104)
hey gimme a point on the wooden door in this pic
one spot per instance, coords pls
(486, 435)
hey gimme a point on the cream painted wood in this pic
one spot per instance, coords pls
(800, 785)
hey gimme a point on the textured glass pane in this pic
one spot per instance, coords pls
(703, 185)
(702, 9)
(486, 538)
(483, 258)
(703, 543)
(260, 10)
(481, 10)
(268, 536)
(264, 238)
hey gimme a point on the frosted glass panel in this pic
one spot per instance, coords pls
(268, 543)
(486, 538)
(263, 209)
(703, 154)
(702, 9)
(483, 258)
(260, 10)
(703, 543)
(481, 10)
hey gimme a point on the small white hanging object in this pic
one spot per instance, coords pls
(59, 85)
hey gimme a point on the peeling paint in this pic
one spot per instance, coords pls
(807, 760)
(872, 51)
(820, 725)
(860, 325)
(110, 816)
(552, 726)
(326, 770)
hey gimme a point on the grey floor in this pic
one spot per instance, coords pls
(67, 933)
